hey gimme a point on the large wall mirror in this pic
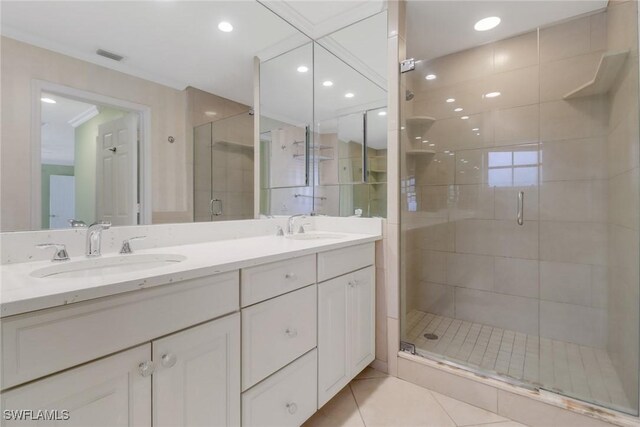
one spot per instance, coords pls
(133, 112)
(323, 125)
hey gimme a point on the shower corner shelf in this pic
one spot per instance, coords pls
(418, 126)
(604, 76)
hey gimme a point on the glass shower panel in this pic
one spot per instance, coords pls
(223, 169)
(520, 208)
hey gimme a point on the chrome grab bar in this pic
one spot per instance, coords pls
(521, 208)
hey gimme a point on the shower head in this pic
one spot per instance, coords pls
(408, 95)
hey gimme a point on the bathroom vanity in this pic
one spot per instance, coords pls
(260, 330)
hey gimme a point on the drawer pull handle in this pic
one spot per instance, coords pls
(292, 408)
(168, 360)
(292, 333)
(146, 368)
(290, 276)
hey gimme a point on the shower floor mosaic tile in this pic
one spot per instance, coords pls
(582, 372)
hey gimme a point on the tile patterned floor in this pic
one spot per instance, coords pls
(374, 399)
(579, 371)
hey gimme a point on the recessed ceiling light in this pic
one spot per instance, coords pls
(446, 151)
(451, 100)
(48, 100)
(430, 77)
(226, 27)
(327, 83)
(475, 129)
(210, 113)
(303, 69)
(486, 24)
(432, 145)
(382, 113)
(464, 117)
(478, 133)
(492, 94)
(349, 95)
(417, 137)
(458, 109)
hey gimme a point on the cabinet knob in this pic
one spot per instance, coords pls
(292, 408)
(353, 283)
(291, 332)
(146, 368)
(290, 276)
(168, 360)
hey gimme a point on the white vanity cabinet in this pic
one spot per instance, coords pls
(110, 392)
(346, 329)
(196, 381)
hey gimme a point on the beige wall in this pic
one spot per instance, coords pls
(622, 152)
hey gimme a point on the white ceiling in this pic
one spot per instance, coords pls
(318, 18)
(175, 43)
(437, 28)
(58, 136)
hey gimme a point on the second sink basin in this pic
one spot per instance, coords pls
(109, 265)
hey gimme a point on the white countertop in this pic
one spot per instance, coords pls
(20, 292)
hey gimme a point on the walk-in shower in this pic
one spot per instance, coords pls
(520, 194)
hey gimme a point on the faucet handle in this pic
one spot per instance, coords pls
(60, 253)
(301, 229)
(126, 244)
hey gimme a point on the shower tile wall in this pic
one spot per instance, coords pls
(470, 259)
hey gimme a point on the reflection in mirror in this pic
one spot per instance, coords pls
(286, 112)
(341, 138)
(223, 169)
(118, 143)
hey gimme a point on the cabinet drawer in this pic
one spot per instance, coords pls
(288, 398)
(43, 342)
(277, 331)
(267, 281)
(341, 261)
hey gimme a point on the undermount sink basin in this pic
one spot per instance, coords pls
(104, 266)
(315, 236)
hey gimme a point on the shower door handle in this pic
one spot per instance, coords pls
(520, 208)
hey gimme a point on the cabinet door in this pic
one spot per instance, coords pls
(361, 303)
(333, 345)
(197, 376)
(108, 392)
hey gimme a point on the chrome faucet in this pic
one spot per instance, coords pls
(94, 237)
(291, 221)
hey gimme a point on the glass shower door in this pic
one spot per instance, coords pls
(520, 203)
(223, 169)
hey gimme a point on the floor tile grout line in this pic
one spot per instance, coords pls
(357, 406)
(441, 406)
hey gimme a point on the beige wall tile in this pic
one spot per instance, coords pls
(624, 202)
(439, 170)
(471, 201)
(516, 125)
(622, 26)
(574, 119)
(573, 201)
(565, 40)
(573, 323)
(577, 242)
(470, 271)
(432, 266)
(516, 52)
(622, 145)
(435, 298)
(573, 159)
(503, 311)
(565, 282)
(516, 276)
(516, 87)
(500, 238)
